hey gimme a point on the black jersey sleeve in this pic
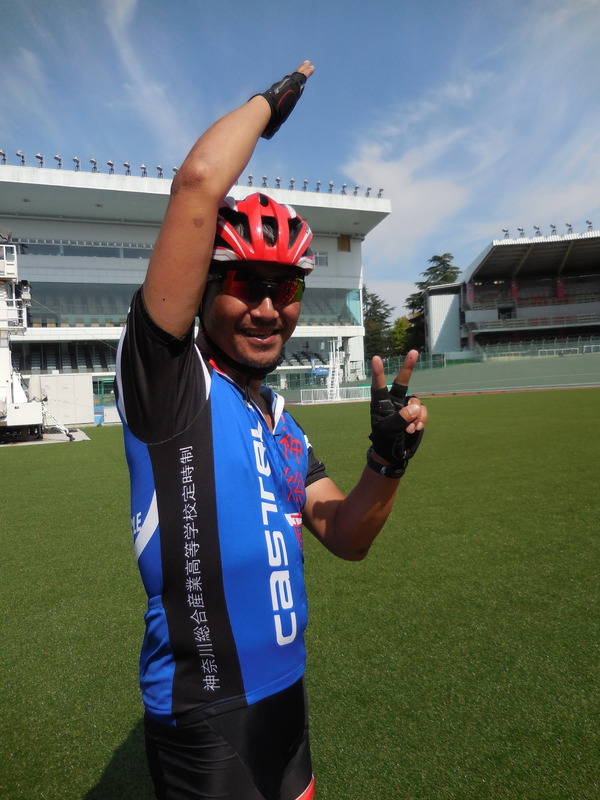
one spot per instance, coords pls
(161, 383)
(316, 468)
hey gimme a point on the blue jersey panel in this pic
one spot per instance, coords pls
(157, 666)
(263, 563)
(144, 513)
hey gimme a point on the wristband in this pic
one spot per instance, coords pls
(388, 471)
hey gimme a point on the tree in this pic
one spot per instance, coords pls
(400, 336)
(441, 271)
(376, 316)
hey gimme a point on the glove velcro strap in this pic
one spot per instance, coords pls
(388, 471)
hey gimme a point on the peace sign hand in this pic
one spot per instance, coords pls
(397, 421)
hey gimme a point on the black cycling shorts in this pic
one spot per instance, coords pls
(260, 752)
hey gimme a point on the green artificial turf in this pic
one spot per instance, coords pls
(459, 660)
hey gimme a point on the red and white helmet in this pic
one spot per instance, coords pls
(259, 229)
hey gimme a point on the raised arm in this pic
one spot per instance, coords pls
(177, 271)
(347, 525)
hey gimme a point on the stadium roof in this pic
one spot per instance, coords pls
(540, 256)
(68, 194)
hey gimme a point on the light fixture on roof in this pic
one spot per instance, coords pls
(144, 169)
(305, 184)
(111, 167)
(356, 188)
(21, 156)
(94, 164)
(127, 166)
(175, 171)
(264, 182)
(76, 161)
(505, 232)
(589, 224)
(368, 192)
(552, 230)
(40, 158)
(159, 170)
(58, 160)
(3, 156)
(292, 183)
(330, 187)
(318, 186)
(569, 227)
(344, 188)
(521, 231)
(379, 193)
(250, 180)
(537, 230)
(278, 183)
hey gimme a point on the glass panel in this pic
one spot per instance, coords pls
(40, 249)
(91, 250)
(330, 307)
(81, 304)
(137, 252)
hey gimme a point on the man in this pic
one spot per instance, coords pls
(222, 478)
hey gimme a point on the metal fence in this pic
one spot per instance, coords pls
(553, 363)
(575, 345)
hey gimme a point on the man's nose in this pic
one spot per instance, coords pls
(266, 308)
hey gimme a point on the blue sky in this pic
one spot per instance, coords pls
(473, 116)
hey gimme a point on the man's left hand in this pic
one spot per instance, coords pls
(397, 421)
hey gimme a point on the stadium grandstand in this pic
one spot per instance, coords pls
(83, 240)
(523, 301)
(520, 291)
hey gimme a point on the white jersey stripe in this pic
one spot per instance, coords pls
(149, 526)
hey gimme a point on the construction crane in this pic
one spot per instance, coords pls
(21, 418)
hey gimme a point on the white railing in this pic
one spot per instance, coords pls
(346, 394)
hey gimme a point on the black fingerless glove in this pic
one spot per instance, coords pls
(282, 97)
(388, 429)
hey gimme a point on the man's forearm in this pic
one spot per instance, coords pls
(362, 514)
(222, 152)
(347, 525)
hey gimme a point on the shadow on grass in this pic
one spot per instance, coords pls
(126, 776)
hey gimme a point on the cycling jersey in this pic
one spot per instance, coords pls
(216, 506)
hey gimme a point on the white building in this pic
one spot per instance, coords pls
(84, 239)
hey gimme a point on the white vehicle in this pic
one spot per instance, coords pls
(21, 417)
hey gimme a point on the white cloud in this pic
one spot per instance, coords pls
(148, 96)
(118, 15)
(24, 85)
(25, 94)
(419, 204)
(514, 141)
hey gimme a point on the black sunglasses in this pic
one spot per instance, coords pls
(252, 288)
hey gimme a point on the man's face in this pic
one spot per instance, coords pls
(252, 332)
